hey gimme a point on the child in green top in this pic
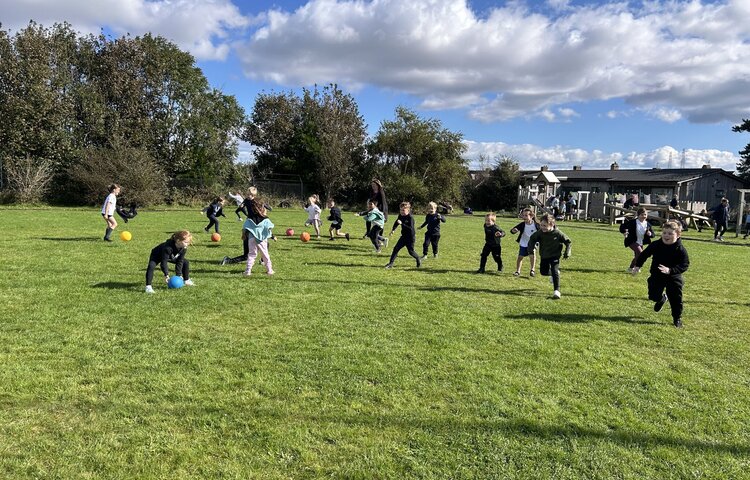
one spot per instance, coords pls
(377, 219)
(551, 241)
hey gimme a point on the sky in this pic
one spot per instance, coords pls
(650, 83)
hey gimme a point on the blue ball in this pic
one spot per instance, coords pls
(176, 282)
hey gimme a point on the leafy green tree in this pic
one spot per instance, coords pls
(743, 168)
(496, 188)
(424, 149)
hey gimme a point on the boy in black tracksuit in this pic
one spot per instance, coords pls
(669, 263)
(213, 211)
(492, 236)
(408, 235)
(432, 235)
(171, 251)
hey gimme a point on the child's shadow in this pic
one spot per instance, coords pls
(579, 318)
(71, 239)
(116, 285)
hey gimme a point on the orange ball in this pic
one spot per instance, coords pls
(215, 237)
(305, 237)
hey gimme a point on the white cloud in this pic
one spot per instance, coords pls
(531, 157)
(202, 27)
(688, 58)
(668, 115)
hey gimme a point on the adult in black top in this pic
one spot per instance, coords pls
(408, 235)
(377, 195)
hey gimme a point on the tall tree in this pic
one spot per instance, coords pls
(423, 149)
(743, 168)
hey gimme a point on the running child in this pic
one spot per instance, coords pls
(257, 229)
(313, 214)
(108, 211)
(551, 242)
(408, 235)
(336, 221)
(171, 251)
(638, 232)
(524, 230)
(376, 219)
(126, 214)
(214, 211)
(239, 200)
(492, 236)
(432, 220)
(669, 263)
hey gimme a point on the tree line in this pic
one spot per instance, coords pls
(78, 112)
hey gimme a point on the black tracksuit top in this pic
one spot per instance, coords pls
(673, 256)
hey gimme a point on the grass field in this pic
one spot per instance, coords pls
(336, 367)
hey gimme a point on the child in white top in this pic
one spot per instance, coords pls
(108, 211)
(238, 199)
(526, 229)
(313, 214)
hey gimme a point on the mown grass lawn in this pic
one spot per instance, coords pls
(336, 367)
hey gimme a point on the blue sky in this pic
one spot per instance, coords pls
(556, 82)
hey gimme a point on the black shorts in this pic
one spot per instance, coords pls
(105, 216)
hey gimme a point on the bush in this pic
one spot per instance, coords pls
(28, 178)
(143, 181)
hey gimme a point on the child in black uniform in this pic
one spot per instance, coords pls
(550, 241)
(126, 214)
(669, 263)
(171, 251)
(408, 234)
(432, 236)
(492, 236)
(336, 221)
(213, 211)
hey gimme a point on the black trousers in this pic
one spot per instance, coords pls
(551, 266)
(657, 283)
(213, 222)
(375, 235)
(430, 240)
(183, 271)
(495, 250)
(407, 242)
(720, 228)
(237, 212)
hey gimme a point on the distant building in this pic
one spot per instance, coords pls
(655, 185)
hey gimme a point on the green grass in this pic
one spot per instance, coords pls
(336, 367)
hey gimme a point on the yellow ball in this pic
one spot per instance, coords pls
(125, 236)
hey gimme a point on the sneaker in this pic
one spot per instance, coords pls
(556, 295)
(189, 282)
(347, 237)
(434, 255)
(378, 250)
(419, 263)
(716, 239)
(149, 289)
(331, 239)
(270, 273)
(224, 261)
(205, 230)
(246, 273)
(423, 257)
(721, 238)
(386, 242)
(481, 270)
(389, 265)
(658, 305)
(532, 273)
(677, 322)
(107, 239)
(516, 274)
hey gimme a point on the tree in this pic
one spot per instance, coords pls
(497, 188)
(425, 150)
(743, 168)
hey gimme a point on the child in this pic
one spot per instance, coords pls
(126, 214)
(247, 207)
(638, 232)
(213, 211)
(171, 251)
(551, 241)
(313, 214)
(525, 229)
(721, 218)
(669, 263)
(408, 234)
(376, 219)
(747, 225)
(239, 200)
(108, 210)
(258, 230)
(492, 236)
(432, 235)
(336, 221)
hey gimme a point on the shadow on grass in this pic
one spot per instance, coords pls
(117, 285)
(339, 264)
(71, 239)
(528, 428)
(580, 318)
